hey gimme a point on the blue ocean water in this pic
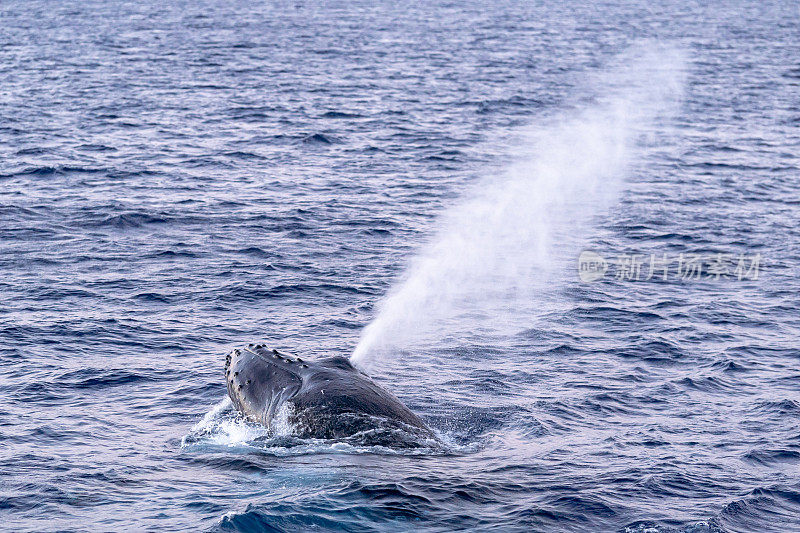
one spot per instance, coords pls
(178, 178)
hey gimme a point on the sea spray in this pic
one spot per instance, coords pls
(501, 249)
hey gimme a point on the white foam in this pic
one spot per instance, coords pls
(223, 426)
(280, 426)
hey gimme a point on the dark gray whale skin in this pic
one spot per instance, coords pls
(330, 398)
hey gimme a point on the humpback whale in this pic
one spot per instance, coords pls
(326, 399)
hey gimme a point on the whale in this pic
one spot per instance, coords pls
(326, 398)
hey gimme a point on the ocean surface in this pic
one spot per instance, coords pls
(180, 178)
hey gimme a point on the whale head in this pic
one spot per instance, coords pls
(261, 380)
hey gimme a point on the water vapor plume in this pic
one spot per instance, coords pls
(502, 247)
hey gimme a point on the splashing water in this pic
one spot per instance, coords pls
(222, 427)
(499, 251)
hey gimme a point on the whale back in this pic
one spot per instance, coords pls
(336, 386)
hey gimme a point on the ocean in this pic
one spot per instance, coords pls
(564, 234)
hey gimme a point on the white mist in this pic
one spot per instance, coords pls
(504, 244)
